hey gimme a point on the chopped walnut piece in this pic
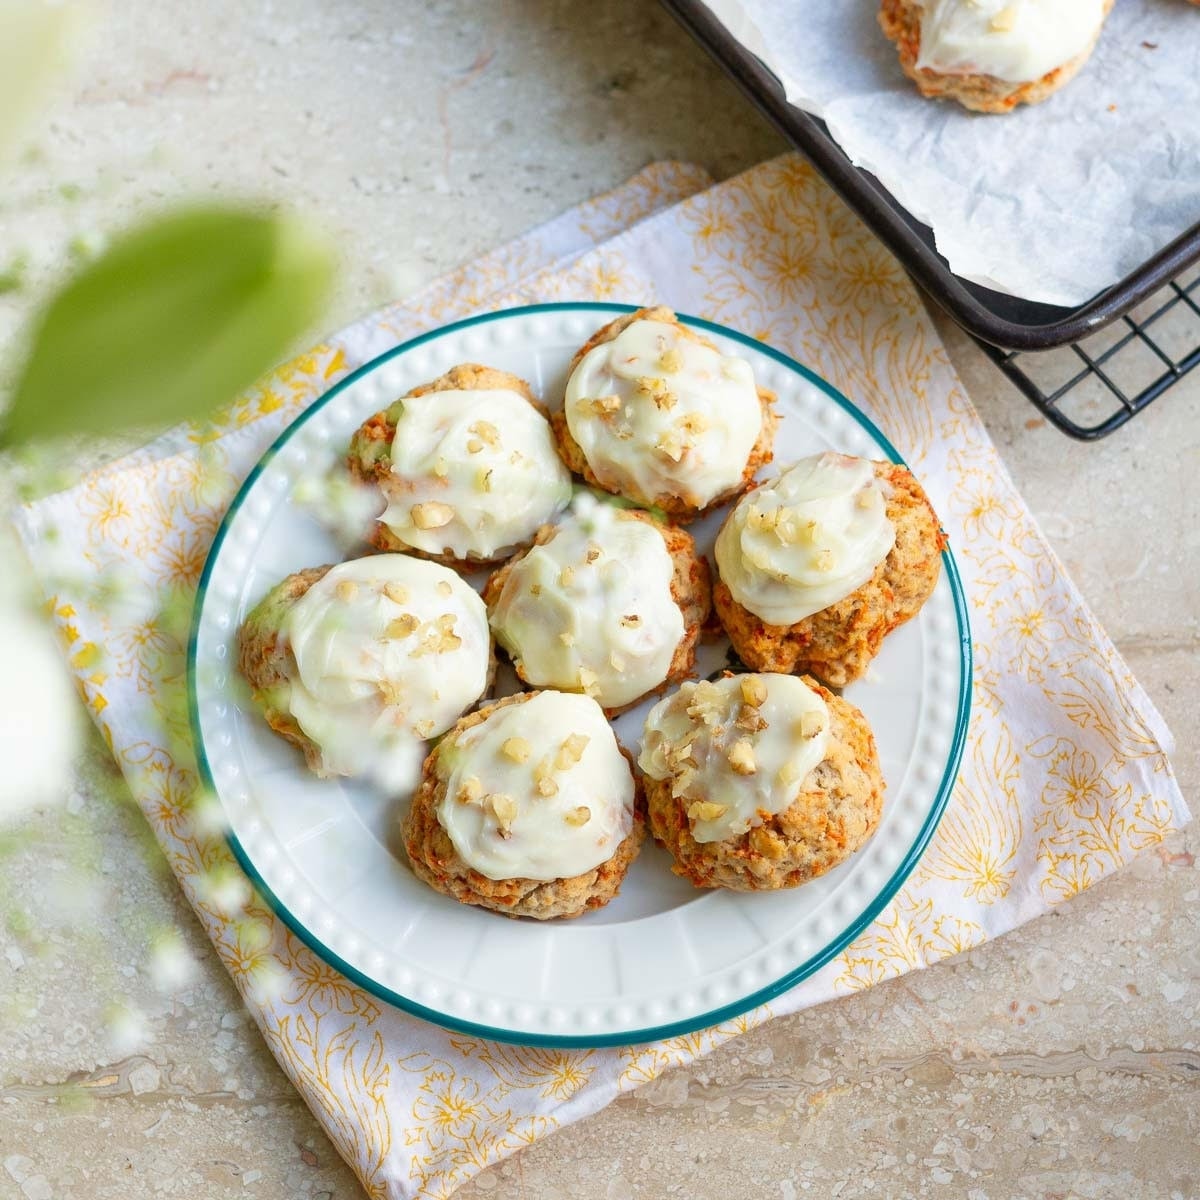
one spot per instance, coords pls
(694, 423)
(706, 810)
(483, 479)
(866, 497)
(535, 589)
(825, 560)
(566, 576)
(441, 468)
(431, 514)
(445, 588)
(578, 816)
(682, 781)
(811, 724)
(764, 519)
(474, 446)
(567, 638)
(504, 808)
(657, 390)
(396, 592)
(487, 431)
(542, 778)
(750, 720)
(1005, 20)
(671, 360)
(588, 680)
(603, 406)
(788, 774)
(704, 702)
(670, 445)
(631, 620)
(754, 691)
(402, 626)
(346, 590)
(424, 729)
(571, 751)
(470, 790)
(391, 693)
(741, 757)
(593, 553)
(516, 748)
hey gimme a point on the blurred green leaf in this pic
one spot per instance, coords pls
(174, 319)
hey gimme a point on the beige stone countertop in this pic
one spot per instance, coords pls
(1062, 1060)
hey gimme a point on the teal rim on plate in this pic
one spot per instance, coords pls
(671, 1029)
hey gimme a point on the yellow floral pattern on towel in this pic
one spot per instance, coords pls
(1065, 774)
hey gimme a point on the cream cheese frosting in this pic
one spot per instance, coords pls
(389, 650)
(1018, 41)
(735, 749)
(805, 539)
(475, 473)
(591, 609)
(657, 413)
(537, 790)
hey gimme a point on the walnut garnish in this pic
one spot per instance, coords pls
(396, 592)
(391, 692)
(824, 560)
(535, 589)
(424, 729)
(441, 468)
(694, 422)
(487, 431)
(682, 781)
(470, 790)
(750, 720)
(517, 749)
(444, 588)
(603, 406)
(754, 691)
(866, 497)
(566, 576)
(567, 638)
(670, 445)
(763, 519)
(402, 626)
(588, 680)
(483, 479)
(578, 816)
(704, 702)
(571, 751)
(631, 620)
(657, 390)
(431, 514)
(788, 774)
(543, 778)
(706, 810)
(474, 445)
(671, 360)
(1005, 20)
(811, 724)
(741, 757)
(593, 553)
(504, 808)
(346, 590)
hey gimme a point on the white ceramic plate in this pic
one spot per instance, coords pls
(663, 958)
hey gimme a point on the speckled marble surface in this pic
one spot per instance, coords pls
(1060, 1061)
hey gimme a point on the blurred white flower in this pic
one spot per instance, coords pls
(40, 722)
(171, 962)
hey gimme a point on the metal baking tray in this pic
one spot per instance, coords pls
(1107, 380)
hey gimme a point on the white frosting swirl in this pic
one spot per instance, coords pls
(389, 651)
(806, 539)
(1018, 41)
(473, 472)
(537, 790)
(734, 748)
(657, 413)
(591, 609)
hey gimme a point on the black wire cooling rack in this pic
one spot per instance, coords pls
(1091, 387)
(1087, 369)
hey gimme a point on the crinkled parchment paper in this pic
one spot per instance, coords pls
(1053, 202)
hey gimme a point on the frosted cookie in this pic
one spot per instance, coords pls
(609, 602)
(656, 413)
(362, 663)
(816, 566)
(758, 782)
(991, 55)
(467, 466)
(528, 808)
